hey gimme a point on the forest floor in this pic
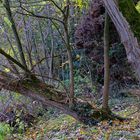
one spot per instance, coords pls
(64, 127)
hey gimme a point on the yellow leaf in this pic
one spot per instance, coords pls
(7, 70)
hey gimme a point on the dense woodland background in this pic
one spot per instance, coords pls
(69, 69)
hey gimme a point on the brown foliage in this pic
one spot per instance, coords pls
(90, 29)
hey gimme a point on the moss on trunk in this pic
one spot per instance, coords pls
(89, 115)
(49, 96)
(48, 91)
(132, 16)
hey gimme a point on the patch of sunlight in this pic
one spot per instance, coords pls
(138, 6)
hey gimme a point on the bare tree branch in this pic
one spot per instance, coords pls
(14, 60)
(29, 13)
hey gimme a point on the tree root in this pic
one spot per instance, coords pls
(89, 115)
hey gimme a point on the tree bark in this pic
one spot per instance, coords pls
(19, 45)
(106, 64)
(34, 89)
(129, 11)
(69, 52)
(125, 31)
(14, 60)
(49, 96)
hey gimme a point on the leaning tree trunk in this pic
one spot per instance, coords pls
(49, 96)
(127, 27)
(13, 26)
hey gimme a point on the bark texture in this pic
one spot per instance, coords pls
(133, 17)
(125, 31)
(106, 64)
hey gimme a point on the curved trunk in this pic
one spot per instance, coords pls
(125, 30)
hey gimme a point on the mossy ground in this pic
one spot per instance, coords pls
(64, 127)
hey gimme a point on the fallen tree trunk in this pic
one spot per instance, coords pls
(49, 96)
(41, 92)
(125, 30)
(35, 90)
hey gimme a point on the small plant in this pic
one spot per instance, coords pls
(4, 130)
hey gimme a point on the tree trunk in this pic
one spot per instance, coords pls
(129, 11)
(49, 96)
(127, 33)
(106, 64)
(19, 45)
(69, 52)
